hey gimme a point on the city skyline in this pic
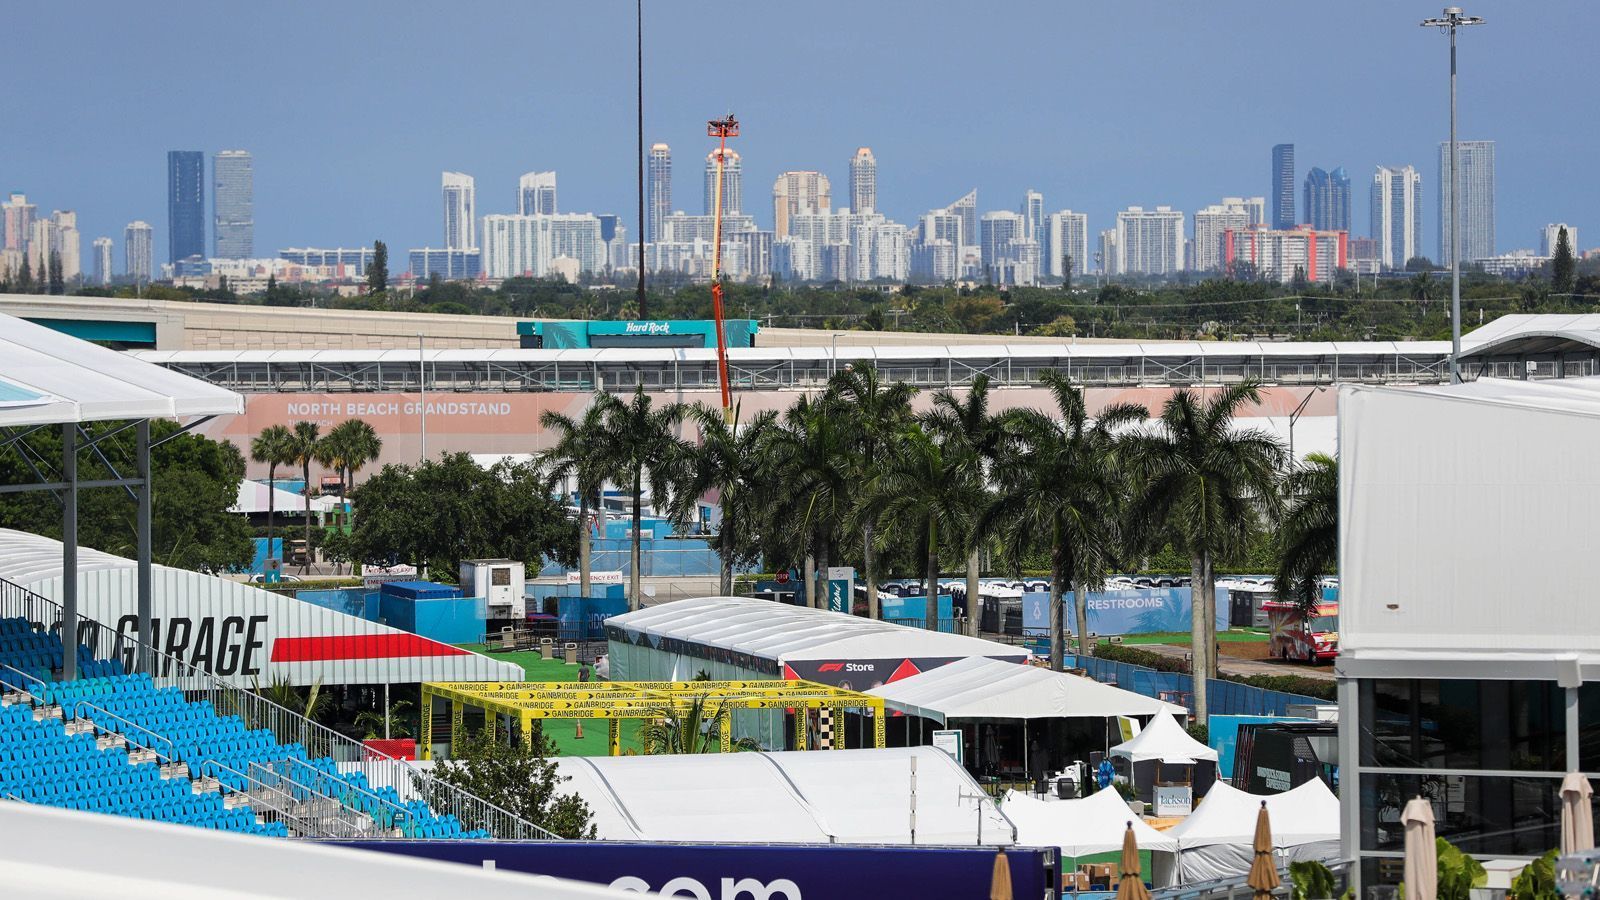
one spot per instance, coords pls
(356, 184)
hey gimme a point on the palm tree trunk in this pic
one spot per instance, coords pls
(974, 602)
(822, 573)
(1080, 611)
(725, 539)
(930, 613)
(584, 552)
(869, 572)
(1200, 642)
(306, 471)
(272, 495)
(811, 580)
(1058, 580)
(1211, 616)
(635, 591)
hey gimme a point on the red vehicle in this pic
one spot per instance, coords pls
(1295, 638)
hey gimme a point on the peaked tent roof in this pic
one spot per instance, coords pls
(48, 377)
(1094, 824)
(979, 687)
(1164, 739)
(1305, 815)
(253, 499)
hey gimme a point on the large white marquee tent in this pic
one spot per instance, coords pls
(1094, 824)
(1215, 841)
(982, 688)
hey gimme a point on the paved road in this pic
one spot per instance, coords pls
(1232, 665)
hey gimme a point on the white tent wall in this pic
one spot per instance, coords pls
(1439, 488)
(978, 687)
(1219, 833)
(240, 633)
(1094, 824)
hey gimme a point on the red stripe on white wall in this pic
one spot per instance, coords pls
(358, 646)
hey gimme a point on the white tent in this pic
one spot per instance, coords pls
(1215, 840)
(815, 796)
(253, 499)
(1094, 824)
(1165, 740)
(978, 687)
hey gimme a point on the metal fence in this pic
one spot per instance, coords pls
(1226, 698)
(1237, 888)
(288, 728)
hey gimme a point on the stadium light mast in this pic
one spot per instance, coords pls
(1449, 22)
(721, 129)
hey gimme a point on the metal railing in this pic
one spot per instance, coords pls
(410, 782)
(1236, 888)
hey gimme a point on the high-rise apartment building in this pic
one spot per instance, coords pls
(1280, 255)
(536, 194)
(1109, 262)
(1066, 236)
(1552, 234)
(1149, 241)
(996, 231)
(66, 243)
(1254, 207)
(1032, 210)
(138, 249)
(103, 266)
(1283, 186)
(1397, 214)
(659, 190)
(967, 209)
(460, 195)
(530, 245)
(863, 181)
(19, 214)
(732, 183)
(1477, 200)
(1327, 196)
(186, 205)
(796, 193)
(233, 205)
(1211, 227)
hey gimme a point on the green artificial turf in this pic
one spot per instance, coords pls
(564, 731)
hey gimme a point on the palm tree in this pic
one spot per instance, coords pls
(810, 456)
(967, 421)
(306, 441)
(877, 412)
(1207, 488)
(691, 726)
(641, 442)
(929, 488)
(1061, 477)
(581, 453)
(275, 447)
(728, 460)
(354, 444)
(1308, 537)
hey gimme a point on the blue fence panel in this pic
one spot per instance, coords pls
(1226, 698)
(357, 602)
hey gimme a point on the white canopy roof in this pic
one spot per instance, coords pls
(978, 687)
(253, 499)
(782, 632)
(816, 796)
(48, 377)
(1094, 824)
(1164, 739)
(1307, 814)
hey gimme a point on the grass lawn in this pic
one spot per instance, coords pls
(564, 731)
(1235, 635)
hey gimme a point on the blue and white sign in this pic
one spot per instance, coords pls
(841, 587)
(1137, 611)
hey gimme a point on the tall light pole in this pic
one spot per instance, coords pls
(638, 18)
(422, 391)
(1449, 22)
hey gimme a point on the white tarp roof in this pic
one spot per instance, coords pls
(47, 376)
(136, 860)
(815, 796)
(1094, 824)
(1466, 519)
(782, 632)
(1305, 815)
(1164, 739)
(979, 687)
(253, 499)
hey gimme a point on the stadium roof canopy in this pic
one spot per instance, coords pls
(47, 377)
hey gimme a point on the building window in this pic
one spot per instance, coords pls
(1479, 814)
(1459, 724)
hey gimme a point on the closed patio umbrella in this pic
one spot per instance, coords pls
(1263, 878)
(1130, 884)
(1577, 814)
(1000, 882)
(1422, 854)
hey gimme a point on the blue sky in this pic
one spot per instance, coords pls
(352, 109)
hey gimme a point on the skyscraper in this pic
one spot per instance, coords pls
(1149, 241)
(798, 192)
(1327, 196)
(863, 181)
(659, 192)
(967, 209)
(1033, 215)
(233, 205)
(460, 211)
(996, 231)
(1397, 214)
(103, 268)
(186, 205)
(1282, 192)
(536, 194)
(732, 183)
(1211, 226)
(1066, 235)
(138, 251)
(66, 243)
(19, 215)
(1477, 200)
